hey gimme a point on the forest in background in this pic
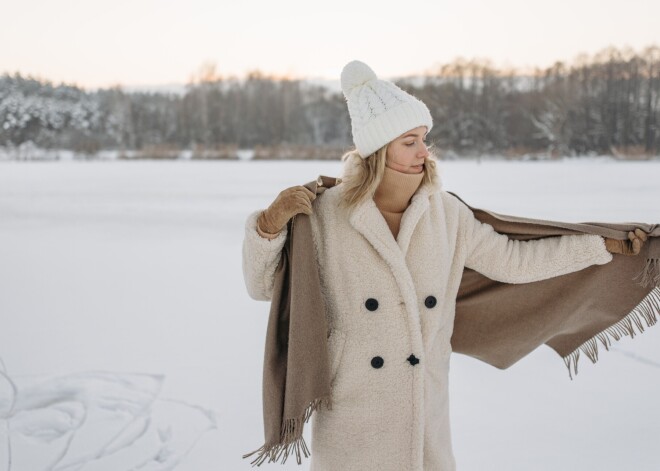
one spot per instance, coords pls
(605, 104)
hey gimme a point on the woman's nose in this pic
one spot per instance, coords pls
(424, 152)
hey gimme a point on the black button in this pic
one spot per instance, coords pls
(371, 304)
(430, 302)
(413, 359)
(377, 362)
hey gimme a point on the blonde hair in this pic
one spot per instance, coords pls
(362, 176)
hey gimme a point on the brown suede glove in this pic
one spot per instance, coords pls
(627, 247)
(294, 200)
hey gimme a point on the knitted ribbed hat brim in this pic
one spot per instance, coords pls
(391, 124)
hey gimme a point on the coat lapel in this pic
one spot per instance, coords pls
(411, 216)
(367, 219)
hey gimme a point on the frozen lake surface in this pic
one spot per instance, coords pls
(129, 341)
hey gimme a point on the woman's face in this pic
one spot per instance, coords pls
(407, 152)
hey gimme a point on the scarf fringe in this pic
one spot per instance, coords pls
(650, 274)
(291, 439)
(648, 310)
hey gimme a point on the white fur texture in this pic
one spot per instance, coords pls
(397, 417)
(260, 259)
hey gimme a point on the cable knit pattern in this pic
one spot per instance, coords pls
(392, 301)
(373, 99)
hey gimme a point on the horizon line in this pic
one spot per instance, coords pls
(206, 71)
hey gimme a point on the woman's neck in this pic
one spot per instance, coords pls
(396, 189)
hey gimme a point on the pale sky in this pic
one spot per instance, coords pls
(148, 42)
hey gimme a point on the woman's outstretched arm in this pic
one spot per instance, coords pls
(516, 261)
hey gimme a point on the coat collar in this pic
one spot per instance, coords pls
(367, 219)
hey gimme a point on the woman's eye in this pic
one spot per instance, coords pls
(413, 143)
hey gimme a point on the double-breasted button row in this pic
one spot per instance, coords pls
(372, 304)
(378, 362)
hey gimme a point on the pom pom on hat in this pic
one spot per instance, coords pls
(379, 110)
(355, 73)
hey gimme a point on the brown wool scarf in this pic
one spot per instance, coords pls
(495, 322)
(296, 377)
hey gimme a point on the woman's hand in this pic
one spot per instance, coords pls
(294, 200)
(632, 246)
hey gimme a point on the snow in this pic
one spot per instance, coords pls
(128, 340)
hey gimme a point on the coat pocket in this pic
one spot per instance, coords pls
(336, 341)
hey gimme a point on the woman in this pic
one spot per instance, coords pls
(391, 247)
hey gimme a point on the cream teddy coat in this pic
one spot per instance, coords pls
(390, 310)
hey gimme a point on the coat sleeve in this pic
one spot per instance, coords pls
(518, 261)
(260, 259)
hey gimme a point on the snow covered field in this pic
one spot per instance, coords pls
(123, 315)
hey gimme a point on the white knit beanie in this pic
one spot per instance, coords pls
(379, 110)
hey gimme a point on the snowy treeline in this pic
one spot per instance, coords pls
(605, 104)
(608, 104)
(212, 118)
